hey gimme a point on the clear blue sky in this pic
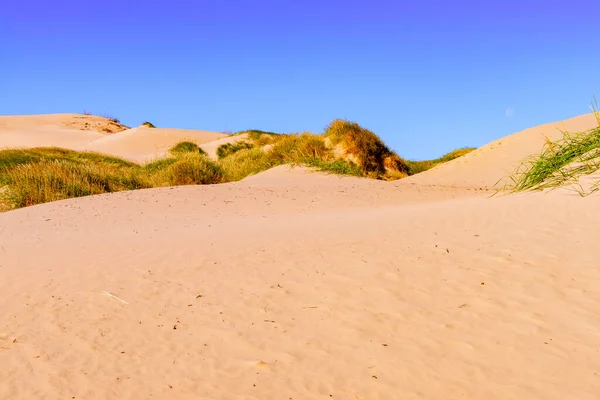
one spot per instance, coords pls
(427, 76)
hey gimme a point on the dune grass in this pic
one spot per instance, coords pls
(562, 162)
(246, 162)
(56, 179)
(228, 149)
(186, 147)
(40, 175)
(148, 124)
(189, 168)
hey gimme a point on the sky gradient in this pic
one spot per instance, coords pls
(427, 76)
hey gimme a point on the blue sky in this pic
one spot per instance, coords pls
(427, 76)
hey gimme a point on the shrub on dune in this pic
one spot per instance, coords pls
(372, 156)
(230, 148)
(297, 148)
(186, 147)
(190, 169)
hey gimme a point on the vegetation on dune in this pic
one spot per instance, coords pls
(53, 179)
(186, 147)
(339, 167)
(415, 167)
(148, 124)
(560, 163)
(244, 163)
(371, 155)
(39, 175)
(189, 169)
(230, 148)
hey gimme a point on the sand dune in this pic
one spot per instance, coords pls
(55, 130)
(145, 144)
(99, 134)
(297, 285)
(483, 167)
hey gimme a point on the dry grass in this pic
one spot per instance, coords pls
(246, 162)
(188, 169)
(51, 180)
(186, 147)
(373, 157)
(228, 149)
(35, 176)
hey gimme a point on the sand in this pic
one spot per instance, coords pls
(98, 134)
(297, 285)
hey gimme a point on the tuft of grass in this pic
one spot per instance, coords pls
(373, 157)
(230, 148)
(340, 167)
(260, 138)
(148, 124)
(415, 167)
(186, 147)
(246, 162)
(189, 169)
(295, 149)
(159, 165)
(562, 162)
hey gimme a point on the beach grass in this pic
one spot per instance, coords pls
(562, 162)
(39, 175)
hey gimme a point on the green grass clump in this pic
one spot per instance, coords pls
(415, 167)
(260, 138)
(148, 124)
(560, 163)
(246, 162)
(340, 167)
(373, 157)
(189, 169)
(296, 149)
(186, 147)
(230, 148)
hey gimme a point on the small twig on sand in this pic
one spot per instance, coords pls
(115, 297)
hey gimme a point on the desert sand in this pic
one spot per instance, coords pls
(293, 284)
(98, 134)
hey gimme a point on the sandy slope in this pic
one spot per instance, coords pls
(92, 133)
(55, 130)
(492, 162)
(145, 144)
(295, 285)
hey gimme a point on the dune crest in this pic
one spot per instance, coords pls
(483, 167)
